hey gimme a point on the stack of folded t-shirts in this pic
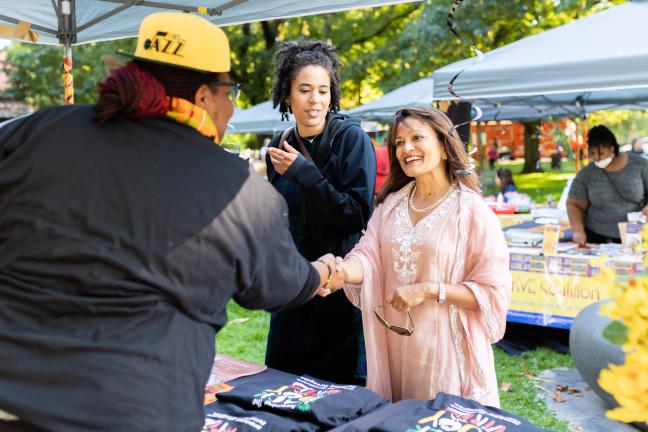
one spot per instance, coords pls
(451, 413)
(278, 401)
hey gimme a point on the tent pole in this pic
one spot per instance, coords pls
(480, 147)
(65, 11)
(585, 131)
(68, 79)
(580, 142)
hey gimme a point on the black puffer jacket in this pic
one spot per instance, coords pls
(120, 246)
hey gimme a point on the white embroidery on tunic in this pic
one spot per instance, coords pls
(407, 237)
(486, 310)
(457, 338)
(355, 291)
(457, 334)
(404, 256)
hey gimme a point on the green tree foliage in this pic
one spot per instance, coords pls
(381, 48)
(36, 72)
(625, 124)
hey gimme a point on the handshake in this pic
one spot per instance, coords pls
(332, 274)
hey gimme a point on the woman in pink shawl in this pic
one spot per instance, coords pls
(431, 274)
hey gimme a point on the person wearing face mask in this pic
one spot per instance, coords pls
(125, 231)
(605, 191)
(431, 274)
(325, 168)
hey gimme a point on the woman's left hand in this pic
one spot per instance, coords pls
(282, 160)
(407, 296)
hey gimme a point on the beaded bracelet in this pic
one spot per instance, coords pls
(330, 272)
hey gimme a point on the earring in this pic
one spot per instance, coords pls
(444, 156)
(289, 108)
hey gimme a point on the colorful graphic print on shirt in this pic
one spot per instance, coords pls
(299, 395)
(449, 413)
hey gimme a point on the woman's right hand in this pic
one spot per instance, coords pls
(282, 160)
(579, 237)
(335, 275)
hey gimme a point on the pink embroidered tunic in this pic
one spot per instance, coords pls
(459, 242)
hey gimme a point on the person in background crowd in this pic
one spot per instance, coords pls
(433, 269)
(504, 180)
(125, 231)
(493, 154)
(382, 165)
(637, 146)
(325, 168)
(604, 192)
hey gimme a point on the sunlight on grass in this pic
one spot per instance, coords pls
(537, 185)
(245, 334)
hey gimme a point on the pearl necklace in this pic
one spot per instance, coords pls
(434, 204)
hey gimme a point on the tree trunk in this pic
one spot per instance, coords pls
(531, 147)
(480, 147)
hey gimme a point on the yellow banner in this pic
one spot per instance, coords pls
(545, 293)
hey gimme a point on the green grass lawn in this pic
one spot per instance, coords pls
(537, 185)
(245, 337)
(245, 334)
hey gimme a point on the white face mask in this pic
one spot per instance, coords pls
(604, 162)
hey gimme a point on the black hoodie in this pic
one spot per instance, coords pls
(321, 338)
(337, 186)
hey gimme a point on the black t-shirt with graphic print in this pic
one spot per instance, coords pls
(302, 397)
(454, 413)
(223, 416)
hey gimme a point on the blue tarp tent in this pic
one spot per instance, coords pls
(597, 62)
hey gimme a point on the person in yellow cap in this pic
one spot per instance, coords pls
(124, 232)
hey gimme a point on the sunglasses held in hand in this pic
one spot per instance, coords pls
(400, 330)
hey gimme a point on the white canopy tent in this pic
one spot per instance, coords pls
(259, 119)
(70, 22)
(597, 62)
(416, 94)
(264, 120)
(97, 20)
(420, 94)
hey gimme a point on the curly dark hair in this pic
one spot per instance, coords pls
(291, 57)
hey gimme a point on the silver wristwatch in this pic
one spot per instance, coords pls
(442, 293)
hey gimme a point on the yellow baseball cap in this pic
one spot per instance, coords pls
(183, 40)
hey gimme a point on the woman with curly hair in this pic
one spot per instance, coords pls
(325, 168)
